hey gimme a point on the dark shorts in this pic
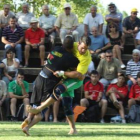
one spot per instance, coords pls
(34, 50)
(138, 102)
(92, 102)
(42, 89)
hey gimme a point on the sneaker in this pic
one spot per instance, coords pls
(123, 121)
(122, 66)
(102, 121)
(116, 119)
(14, 118)
(26, 66)
(20, 66)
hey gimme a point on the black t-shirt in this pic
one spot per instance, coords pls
(115, 41)
(60, 59)
(129, 25)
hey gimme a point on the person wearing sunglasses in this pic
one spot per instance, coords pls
(131, 25)
(66, 24)
(113, 16)
(109, 69)
(116, 41)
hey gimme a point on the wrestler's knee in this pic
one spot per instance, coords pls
(59, 89)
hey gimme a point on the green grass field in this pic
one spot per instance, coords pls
(58, 131)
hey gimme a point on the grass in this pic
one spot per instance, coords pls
(58, 131)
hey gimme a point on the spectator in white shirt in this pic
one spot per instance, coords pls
(93, 19)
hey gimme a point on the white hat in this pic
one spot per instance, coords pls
(67, 5)
(33, 20)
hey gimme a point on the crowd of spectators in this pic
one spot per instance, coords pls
(106, 85)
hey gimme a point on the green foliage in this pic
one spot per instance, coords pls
(79, 7)
(11, 2)
(125, 14)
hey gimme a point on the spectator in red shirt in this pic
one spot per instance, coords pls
(134, 93)
(93, 94)
(116, 94)
(34, 39)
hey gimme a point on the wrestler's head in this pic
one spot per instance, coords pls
(68, 43)
(84, 44)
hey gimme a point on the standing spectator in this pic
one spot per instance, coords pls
(34, 39)
(5, 16)
(133, 67)
(116, 94)
(113, 16)
(99, 43)
(134, 94)
(93, 94)
(109, 68)
(11, 64)
(12, 37)
(67, 23)
(24, 16)
(93, 19)
(18, 91)
(46, 22)
(131, 25)
(4, 102)
(116, 40)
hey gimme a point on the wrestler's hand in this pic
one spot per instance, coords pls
(59, 73)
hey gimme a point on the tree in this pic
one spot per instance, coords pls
(125, 14)
(11, 2)
(80, 7)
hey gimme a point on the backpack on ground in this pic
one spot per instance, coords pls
(134, 114)
(92, 114)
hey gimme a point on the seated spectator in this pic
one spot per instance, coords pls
(108, 69)
(131, 25)
(34, 39)
(113, 16)
(138, 40)
(4, 101)
(24, 16)
(133, 67)
(55, 111)
(5, 16)
(116, 94)
(18, 91)
(46, 22)
(67, 23)
(99, 43)
(93, 19)
(12, 37)
(134, 94)
(93, 90)
(115, 38)
(11, 64)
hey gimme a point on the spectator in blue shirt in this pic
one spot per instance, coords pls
(12, 36)
(99, 44)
